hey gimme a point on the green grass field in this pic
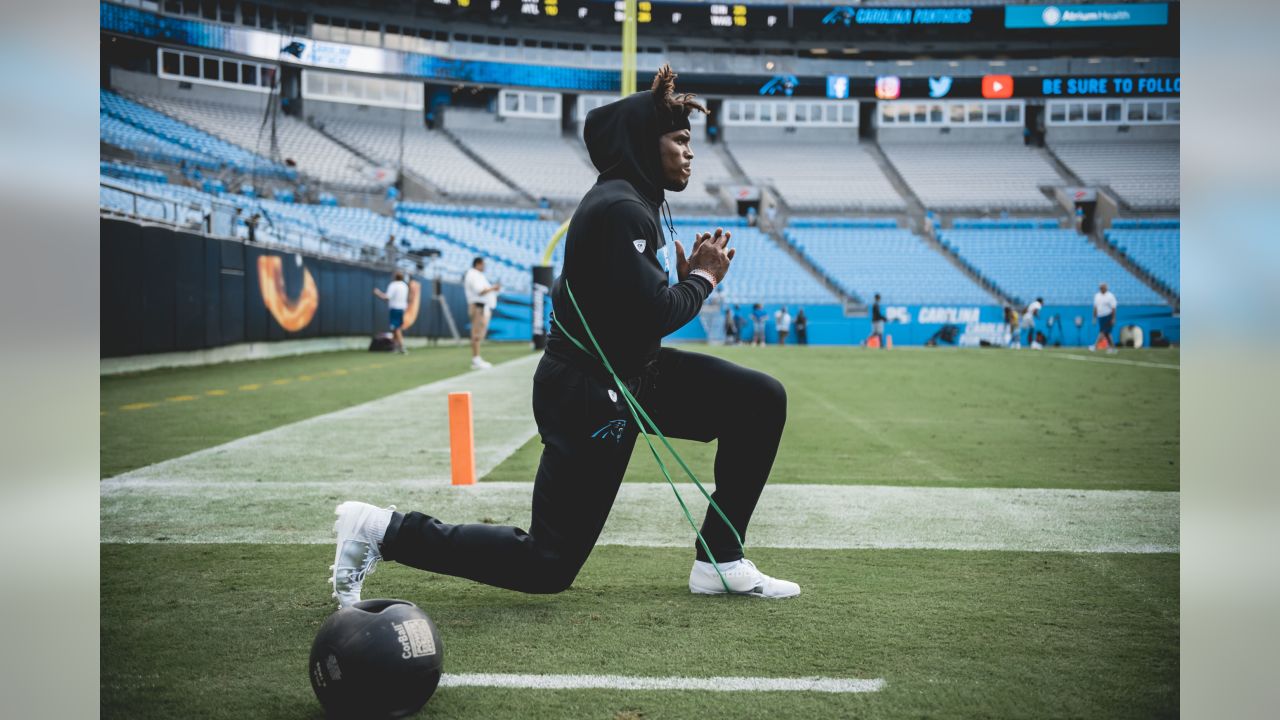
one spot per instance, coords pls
(223, 629)
(153, 416)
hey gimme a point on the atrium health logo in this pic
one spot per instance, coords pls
(1051, 16)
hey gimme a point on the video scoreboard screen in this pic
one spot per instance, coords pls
(786, 21)
(600, 13)
(689, 16)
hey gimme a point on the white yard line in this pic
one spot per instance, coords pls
(625, 682)
(646, 515)
(1114, 361)
(400, 436)
(281, 486)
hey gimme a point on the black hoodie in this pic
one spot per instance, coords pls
(610, 257)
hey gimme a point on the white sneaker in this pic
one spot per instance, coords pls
(360, 527)
(479, 363)
(743, 579)
(1093, 348)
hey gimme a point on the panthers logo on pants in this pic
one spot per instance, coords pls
(613, 429)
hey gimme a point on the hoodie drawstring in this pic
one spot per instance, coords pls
(671, 227)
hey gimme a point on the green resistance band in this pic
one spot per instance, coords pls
(638, 413)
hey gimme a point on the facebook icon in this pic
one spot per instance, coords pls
(838, 87)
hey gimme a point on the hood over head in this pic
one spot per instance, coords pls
(622, 137)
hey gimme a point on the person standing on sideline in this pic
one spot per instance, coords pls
(397, 297)
(1029, 320)
(802, 328)
(252, 224)
(877, 321)
(614, 294)
(730, 327)
(757, 325)
(482, 298)
(782, 320)
(1011, 319)
(1104, 312)
(390, 252)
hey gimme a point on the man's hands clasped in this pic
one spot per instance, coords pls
(710, 253)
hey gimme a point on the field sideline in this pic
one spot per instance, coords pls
(991, 533)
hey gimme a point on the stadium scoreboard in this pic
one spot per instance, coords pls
(826, 21)
(568, 14)
(708, 16)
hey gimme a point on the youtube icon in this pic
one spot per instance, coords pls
(996, 87)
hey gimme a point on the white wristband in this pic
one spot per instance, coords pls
(705, 276)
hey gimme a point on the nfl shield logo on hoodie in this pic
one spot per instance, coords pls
(640, 245)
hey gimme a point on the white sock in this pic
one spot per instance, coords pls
(377, 527)
(724, 567)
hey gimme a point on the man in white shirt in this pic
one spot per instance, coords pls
(1029, 321)
(397, 297)
(782, 320)
(482, 298)
(1104, 312)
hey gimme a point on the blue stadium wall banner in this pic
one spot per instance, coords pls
(947, 325)
(339, 56)
(1078, 16)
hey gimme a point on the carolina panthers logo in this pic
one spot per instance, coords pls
(612, 429)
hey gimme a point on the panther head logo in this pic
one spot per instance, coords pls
(612, 429)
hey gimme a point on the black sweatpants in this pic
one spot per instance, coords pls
(587, 436)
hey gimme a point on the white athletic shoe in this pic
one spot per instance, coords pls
(743, 579)
(360, 527)
(479, 363)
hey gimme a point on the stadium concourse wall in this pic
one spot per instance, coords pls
(169, 291)
(917, 324)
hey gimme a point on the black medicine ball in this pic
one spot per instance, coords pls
(376, 659)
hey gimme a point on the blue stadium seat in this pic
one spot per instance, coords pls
(829, 222)
(1008, 223)
(1154, 250)
(117, 132)
(1061, 265)
(890, 261)
(761, 272)
(201, 147)
(131, 172)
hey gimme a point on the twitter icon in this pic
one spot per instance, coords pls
(939, 86)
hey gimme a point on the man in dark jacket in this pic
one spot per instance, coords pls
(877, 322)
(641, 146)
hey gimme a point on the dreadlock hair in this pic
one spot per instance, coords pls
(664, 95)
